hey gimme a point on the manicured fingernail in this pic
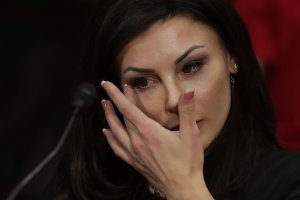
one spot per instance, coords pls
(189, 94)
(103, 103)
(104, 131)
(125, 87)
(102, 83)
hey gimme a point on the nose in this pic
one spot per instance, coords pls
(173, 92)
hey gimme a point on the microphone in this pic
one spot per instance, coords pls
(82, 99)
(85, 96)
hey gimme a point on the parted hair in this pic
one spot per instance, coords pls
(96, 173)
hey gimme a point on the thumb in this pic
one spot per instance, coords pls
(187, 121)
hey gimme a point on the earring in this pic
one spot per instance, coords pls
(232, 75)
(232, 81)
(236, 68)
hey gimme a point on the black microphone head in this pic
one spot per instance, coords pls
(84, 96)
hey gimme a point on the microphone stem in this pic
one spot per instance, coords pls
(46, 160)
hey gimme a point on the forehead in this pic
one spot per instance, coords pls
(171, 36)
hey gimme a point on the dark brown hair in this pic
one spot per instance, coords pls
(249, 130)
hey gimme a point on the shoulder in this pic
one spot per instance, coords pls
(278, 160)
(276, 176)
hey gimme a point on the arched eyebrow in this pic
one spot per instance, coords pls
(138, 69)
(178, 60)
(187, 52)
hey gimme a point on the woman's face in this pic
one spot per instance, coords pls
(171, 57)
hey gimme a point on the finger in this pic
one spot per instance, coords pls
(140, 148)
(117, 148)
(148, 134)
(127, 138)
(127, 109)
(120, 133)
(122, 153)
(131, 128)
(137, 150)
(187, 121)
(138, 145)
(129, 94)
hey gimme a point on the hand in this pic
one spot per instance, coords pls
(171, 161)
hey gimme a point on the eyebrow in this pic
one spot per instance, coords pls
(138, 69)
(187, 52)
(178, 60)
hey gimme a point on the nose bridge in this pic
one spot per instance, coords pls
(173, 90)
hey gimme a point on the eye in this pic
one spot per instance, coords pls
(141, 83)
(192, 67)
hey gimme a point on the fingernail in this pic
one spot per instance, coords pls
(189, 94)
(104, 131)
(102, 83)
(103, 103)
(125, 87)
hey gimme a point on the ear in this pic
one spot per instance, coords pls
(232, 65)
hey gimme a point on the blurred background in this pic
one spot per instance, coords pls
(40, 43)
(274, 27)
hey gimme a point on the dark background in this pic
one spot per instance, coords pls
(40, 43)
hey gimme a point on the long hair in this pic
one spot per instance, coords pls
(95, 172)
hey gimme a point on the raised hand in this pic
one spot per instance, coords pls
(172, 161)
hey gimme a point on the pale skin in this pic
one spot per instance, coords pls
(175, 101)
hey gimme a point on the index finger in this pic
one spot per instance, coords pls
(126, 108)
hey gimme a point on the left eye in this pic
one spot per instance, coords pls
(192, 67)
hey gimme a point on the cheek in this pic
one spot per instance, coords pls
(216, 92)
(220, 99)
(219, 96)
(214, 103)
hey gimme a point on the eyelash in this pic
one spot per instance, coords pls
(136, 83)
(194, 67)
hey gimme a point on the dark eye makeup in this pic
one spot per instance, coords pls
(191, 67)
(140, 82)
(144, 81)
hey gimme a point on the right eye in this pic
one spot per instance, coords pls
(141, 83)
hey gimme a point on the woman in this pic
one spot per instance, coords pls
(195, 119)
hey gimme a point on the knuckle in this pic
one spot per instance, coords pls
(137, 148)
(145, 130)
(147, 126)
(123, 107)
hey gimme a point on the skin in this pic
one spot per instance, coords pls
(175, 101)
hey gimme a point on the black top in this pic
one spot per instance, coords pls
(275, 177)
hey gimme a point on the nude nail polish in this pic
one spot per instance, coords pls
(189, 94)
